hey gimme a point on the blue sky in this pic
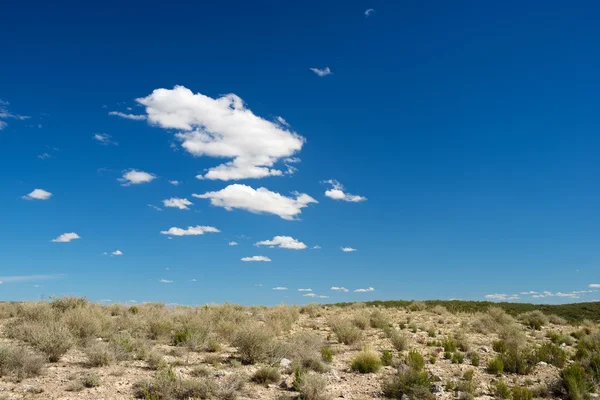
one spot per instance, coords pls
(454, 146)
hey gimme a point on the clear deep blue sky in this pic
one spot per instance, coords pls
(471, 127)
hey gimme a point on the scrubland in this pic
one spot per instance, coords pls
(69, 348)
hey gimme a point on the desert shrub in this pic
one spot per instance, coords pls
(492, 321)
(361, 319)
(311, 309)
(51, 338)
(417, 306)
(556, 320)
(458, 358)
(305, 349)
(230, 386)
(63, 304)
(575, 382)
(75, 386)
(534, 319)
(379, 320)
(558, 338)
(474, 359)
(194, 337)
(431, 332)
(439, 310)
(88, 322)
(367, 361)
(521, 393)
(99, 354)
(499, 346)
(90, 380)
(449, 344)
(552, 354)
(399, 340)
(415, 360)
(346, 332)
(266, 375)
(281, 318)
(326, 354)
(519, 361)
(462, 341)
(20, 362)
(312, 387)
(468, 375)
(253, 344)
(154, 360)
(387, 357)
(410, 383)
(495, 366)
(501, 390)
(166, 385)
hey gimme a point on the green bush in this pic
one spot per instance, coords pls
(520, 361)
(20, 362)
(399, 340)
(495, 366)
(313, 387)
(458, 358)
(266, 375)
(499, 346)
(410, 383)
(474, 359)
(521, 393)
(253, 344)
(346, 333)
(501, 390)
(326, 354)
(552, 354)
(576, 383)
(534, 319)
(386, 357)
(379, 320)
(367, 361)
(415, 360)
(449, 344)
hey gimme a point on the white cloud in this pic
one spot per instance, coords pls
(38, 194)
(28, 278)
(44, 156)
(530, 292)
(339, 289)
(232, 243)
(594, 286)
(305, 290)
(222, 128)
(5, 114)
(348, 249)
(316, 247)
(282, 121)
(174, 183)
(369, 289)
(502, 297)
(369, 12)
(104, 139)
(165, 281)
(117, 253)
(155, 207)
(256, 258)
(337, 193)
(176, 202)
(66, 237)
(280, 288)
(321, 72)
(190, 231)
(135, 177)
(283, 242)
(309, 295)
(127, 116)
(259, 200)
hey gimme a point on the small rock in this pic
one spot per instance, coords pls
(563, 345)
(221, 372)
(542, 363)
(285, 362)
(485, 349)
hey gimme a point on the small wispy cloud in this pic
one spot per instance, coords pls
(44, 156)
(175, 202)
(155, 207)
(29, 278)
(256, 259)
(127, 116)
(315, 296)
(38, 194)
(305, 290)
(280, 288)
(339, 289)
(502, 297)
(232, 243)
(66, 237)
(282, 121)
(348, 249)
(174, 183)
(190, 231)
(322, 72)
(369, 12)
(337, 193)
(117, 253)
(369, 289)
(5, 114)
(104, 139)
(316, 247)
(135, 177)
(165, 281)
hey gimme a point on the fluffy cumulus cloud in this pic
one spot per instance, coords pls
(190, 231)
(232, 243)
(337, 193)
(256, 259)
(104, 139)
(135, 177)
(66, 237)
(259, 200)
(176, 202)
(339, 289)
(38, 194)
(321, 72)
(369, 289)
(223, 128)
(127, 116)
(280, 288)
(348, 249)
(283, 242)
(502, 297)
(117, 253)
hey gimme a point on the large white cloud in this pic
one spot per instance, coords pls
(283, 242)
(66, 237)
(38, 194)
(259, 200)
(190, 231)
(256, 259)
(176, 202)
(337, 193)
(135, 177)
(225, 128)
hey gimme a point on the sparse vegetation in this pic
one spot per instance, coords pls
(367, 361)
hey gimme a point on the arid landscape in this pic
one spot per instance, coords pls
(69, 348)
